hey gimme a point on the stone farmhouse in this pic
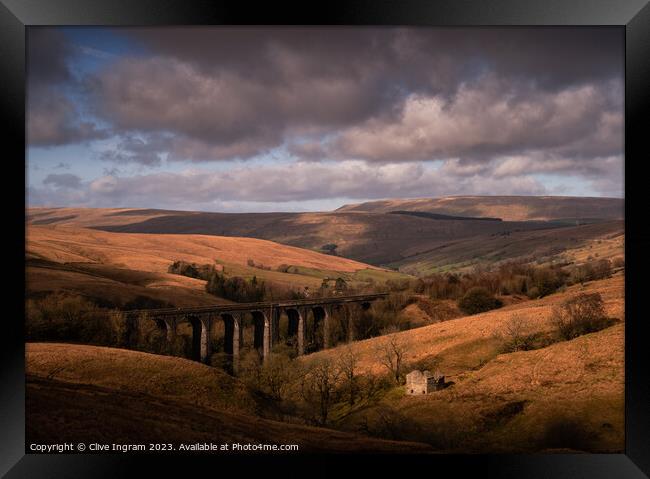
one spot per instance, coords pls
(423, 382)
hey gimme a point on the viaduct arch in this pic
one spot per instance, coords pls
(266, 323)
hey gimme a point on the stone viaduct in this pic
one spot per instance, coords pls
(265, 319)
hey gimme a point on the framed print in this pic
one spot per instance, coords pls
(396, 234)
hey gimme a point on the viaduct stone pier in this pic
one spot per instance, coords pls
(265, 321)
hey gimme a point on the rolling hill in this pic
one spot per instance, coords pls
(508, 208)
(119, 267)
(566, 396)
(572, 244)
(117, 396)
(370, 232)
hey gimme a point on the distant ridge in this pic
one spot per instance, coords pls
(508, 208)
(439, 216)
(364, 232)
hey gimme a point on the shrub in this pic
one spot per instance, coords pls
(580, 315)
(61, 317)
(477, 300)
(533, 292)
(340, 284)
(515, 338)
(602, 269)
(400, 285)
(253, 264)
(191, 270)
(548, 280)
(591, 271)
(236, 288)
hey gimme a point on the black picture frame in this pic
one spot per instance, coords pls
(632, 15)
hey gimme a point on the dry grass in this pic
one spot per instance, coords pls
(426, 311)
(374, 237)
(571, 243)
(160, 376)
(571, 396)
(117, 285)
(155, 252)
(93, 394)
(475, 335)
(508, 208)
(567, 396)
(120, 266)
(609, 247)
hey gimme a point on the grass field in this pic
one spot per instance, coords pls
(576, 243)
(567, 396)
(372, 237)
(92, 394)
(563, 396)
(508, 208)
(118, 267)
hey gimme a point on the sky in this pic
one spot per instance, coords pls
(241, 119)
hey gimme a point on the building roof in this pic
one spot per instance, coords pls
(417, 374)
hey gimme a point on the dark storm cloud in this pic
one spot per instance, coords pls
(48, 54)
(238, 92)
(554, 57)
(52, 118)
(494, 105)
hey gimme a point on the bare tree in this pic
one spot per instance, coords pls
(347, 365)
(319, 387)
(514, 335)
(391, 355)
(277, 374)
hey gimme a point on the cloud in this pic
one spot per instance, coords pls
(144, 151)
(293, 184)
(52, 117)
(297, 182)
(225, 114)
(63, 180)
(256, 89)
(48, 55)
(347, 112)
(433, 59)
(308, 150)
(53, 120)
(489, 118)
